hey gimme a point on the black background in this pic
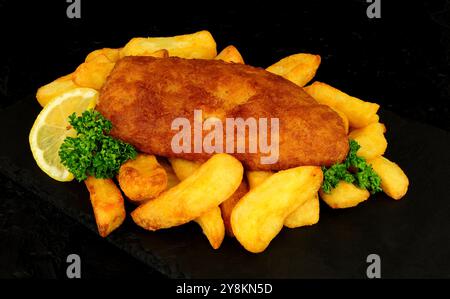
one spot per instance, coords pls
(400, 61)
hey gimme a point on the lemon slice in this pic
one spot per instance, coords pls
(51, 127)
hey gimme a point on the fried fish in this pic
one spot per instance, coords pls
(143, 95)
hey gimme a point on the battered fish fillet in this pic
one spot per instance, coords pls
(143, 95)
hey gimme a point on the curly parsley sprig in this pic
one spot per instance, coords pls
(93, 152)
(354, 170)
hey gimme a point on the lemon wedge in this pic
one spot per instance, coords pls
(51, 127)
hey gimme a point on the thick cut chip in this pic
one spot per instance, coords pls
(211, 222)
(212, 226)
(259, 216)
(54, 89)
(196, 45)
(172, 179)
(230, 54)
(219, 176)
(228, 205)
(111, 54)
(256, 177)
(184, 168)
(142, 179)
(345, 195)
(371, 139)
(358, 112)
(394, 181)
(108, 204)
(93, 74)
(298, 68)
(306, 214)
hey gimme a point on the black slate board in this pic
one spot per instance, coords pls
(411, 236)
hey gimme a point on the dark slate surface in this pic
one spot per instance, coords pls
(411, 235)
(37, 237)
(400, 61)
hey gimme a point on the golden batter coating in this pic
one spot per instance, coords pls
(143, 95)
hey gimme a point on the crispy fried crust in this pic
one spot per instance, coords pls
(143, 95)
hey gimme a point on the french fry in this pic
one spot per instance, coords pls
(230, 54)
(172, 179)
(394, 181)
(111, 54)
(345, 195)
(358, 112)
(255, 177)
(211, 221)
(53, 89)
(163, 53)
(228, 205)
(259, 216)
(196, 45)
(211, 184)
(142, 179)
(306, 214)
(297, 68)
(98, 58)
(183, 168)
(107, 203)
(92, 74)
(371, 139)
(212, 226)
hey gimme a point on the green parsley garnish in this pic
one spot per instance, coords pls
(353, 170)
(93, 152)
